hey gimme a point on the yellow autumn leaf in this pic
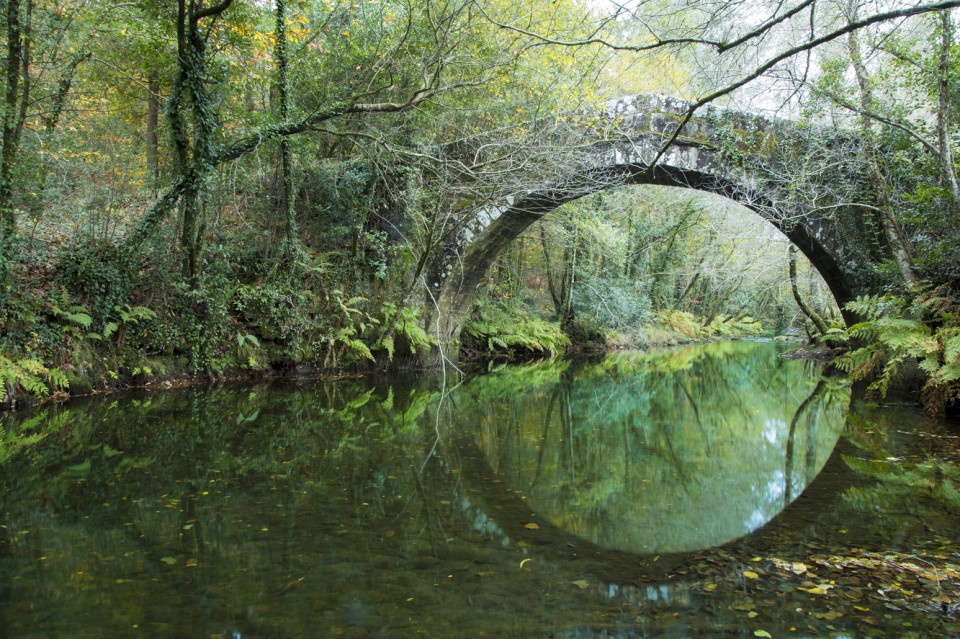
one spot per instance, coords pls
(761, 633)
(531, 526)
(749, 574)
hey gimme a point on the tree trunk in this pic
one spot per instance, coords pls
(811, 314)
(191, 81)
(153, 120)
(289, 214)
(11, 136)
(895, 238)
(947, 168)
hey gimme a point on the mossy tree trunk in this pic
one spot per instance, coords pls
(195, 161)
(15, 99)
(283, 99)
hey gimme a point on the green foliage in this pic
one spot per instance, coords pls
(895, 329)
(494, 328)
(681, 322)
(28, 375)
(344, 343)
(610, 299)
(904, 481)
(720, 327)
(97, 274)
(408, 334)
(735, 327)
(247, 347)
(76, 314)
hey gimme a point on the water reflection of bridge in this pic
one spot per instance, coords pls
(671, 461)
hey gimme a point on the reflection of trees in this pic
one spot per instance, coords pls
(661, 431)
(898, 475)
(802, 409)
(195, 475)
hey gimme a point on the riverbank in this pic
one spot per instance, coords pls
(57, 345)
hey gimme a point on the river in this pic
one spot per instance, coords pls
(706, 490)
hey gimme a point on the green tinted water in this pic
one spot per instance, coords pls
(574, 499)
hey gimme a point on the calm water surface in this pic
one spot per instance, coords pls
(627, 496)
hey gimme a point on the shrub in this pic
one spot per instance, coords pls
(894, 329)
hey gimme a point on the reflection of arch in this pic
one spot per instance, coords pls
(513, 516)
(631, 133)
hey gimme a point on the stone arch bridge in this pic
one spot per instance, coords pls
(808, 183)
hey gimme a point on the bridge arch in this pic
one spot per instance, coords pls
(697, 160)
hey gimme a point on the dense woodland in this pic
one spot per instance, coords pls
(197, 187)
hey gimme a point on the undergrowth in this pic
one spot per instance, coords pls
(895, 329)
(493, 328)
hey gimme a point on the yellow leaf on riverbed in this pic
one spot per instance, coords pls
(749, 574)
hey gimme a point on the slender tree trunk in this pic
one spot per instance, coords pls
(567, 319)
(811, 314)
(555, 289)
(947, 168)
(153, 121)
(892, 231)
(50, 123)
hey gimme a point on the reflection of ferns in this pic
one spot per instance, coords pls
(901, 483)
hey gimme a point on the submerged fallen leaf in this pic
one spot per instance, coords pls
(749, 574)
(829, 616)
(531, 526)
(761, 633)
(580, 583)
(168, 560)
